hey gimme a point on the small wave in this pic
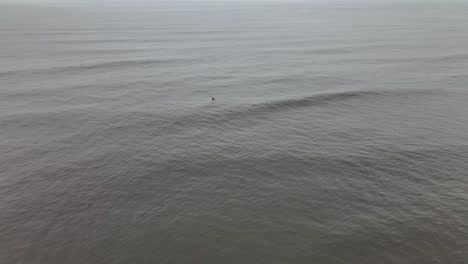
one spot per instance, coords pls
(436, 59)
(214, 116)
(318, 80)
(109, 51)
(91, 41)
(450, 58)
(325, 98)
(309, 100)
(105, 66)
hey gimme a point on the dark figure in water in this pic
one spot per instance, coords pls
(212, 98)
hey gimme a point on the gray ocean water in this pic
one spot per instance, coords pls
(339, 133)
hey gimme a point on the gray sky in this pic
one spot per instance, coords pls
(169, 1)
(155, 1)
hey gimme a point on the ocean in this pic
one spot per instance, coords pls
(338, 133)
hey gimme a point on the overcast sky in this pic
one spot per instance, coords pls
(169, 1)
(154, 1)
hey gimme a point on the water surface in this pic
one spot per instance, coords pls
(339, 133)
